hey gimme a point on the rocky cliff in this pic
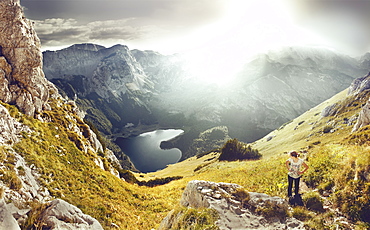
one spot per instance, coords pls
(29, 104)
(107, 83)
(21, 77)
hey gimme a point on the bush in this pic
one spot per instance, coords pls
(242, 195)
(313, 201)
(272, 210)
(158, 181)
(301, 213)
(327, 129)
(128, 176)
(235, 150)
(194, 219)
(11, 180)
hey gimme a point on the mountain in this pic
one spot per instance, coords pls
(270, 89)
(56, 172)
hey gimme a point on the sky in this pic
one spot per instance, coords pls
(178, 26)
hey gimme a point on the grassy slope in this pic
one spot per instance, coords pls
(327, 153)
(72, 175)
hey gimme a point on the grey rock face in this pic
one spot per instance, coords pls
(359, 85)
(7, 221)
(107, 83)
(60, 215)
(10, 129)
(21, 77)
(106, 71)
(234, 213)
(364, 117)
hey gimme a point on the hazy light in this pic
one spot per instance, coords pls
(219, 50)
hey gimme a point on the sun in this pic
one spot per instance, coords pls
(220, 49)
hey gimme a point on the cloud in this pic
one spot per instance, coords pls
(345, 22)
(64, 22)
(61, 32)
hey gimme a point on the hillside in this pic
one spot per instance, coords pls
(339, 161)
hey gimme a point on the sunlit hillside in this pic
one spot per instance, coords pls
(339, 170)
(330, 149)
(339, 164)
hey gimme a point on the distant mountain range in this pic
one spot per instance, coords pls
(126, 92)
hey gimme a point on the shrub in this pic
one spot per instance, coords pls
(242, 195)
(127, 175)
(11, 179)
(196, 219)
(327, 129)
(301, 213)
(313, 201)
(235, 150)
(33, 216)
(272, 210)
(159, 181)
(321, 165)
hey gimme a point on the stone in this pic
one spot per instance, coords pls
(7, 221)
(60, 215)
(22, 80)
(234, 212)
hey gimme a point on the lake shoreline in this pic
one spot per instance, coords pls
(146, 152)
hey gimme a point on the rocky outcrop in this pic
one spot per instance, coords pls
(60, 215)
(107, 83)
(10, 128)
(359, 85)
(106, 71)
(363, 118)
(237, 208)
(22, 80)
(7, 220)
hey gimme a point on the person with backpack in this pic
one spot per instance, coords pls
(294, 164)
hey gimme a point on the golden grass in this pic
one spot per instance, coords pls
(71, 174)
(305, 130)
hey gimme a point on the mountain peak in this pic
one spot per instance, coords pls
(87, 46)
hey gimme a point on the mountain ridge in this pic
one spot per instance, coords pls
(270, 90)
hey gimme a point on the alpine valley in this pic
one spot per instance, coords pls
(127, 92)
(61, 113)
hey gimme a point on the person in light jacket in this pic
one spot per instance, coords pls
(294, 164)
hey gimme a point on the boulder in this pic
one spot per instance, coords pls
(60, 215)
(237, 208)
(7, 221)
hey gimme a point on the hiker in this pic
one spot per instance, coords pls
(293, 165)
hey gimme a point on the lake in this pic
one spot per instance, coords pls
(144, 150)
